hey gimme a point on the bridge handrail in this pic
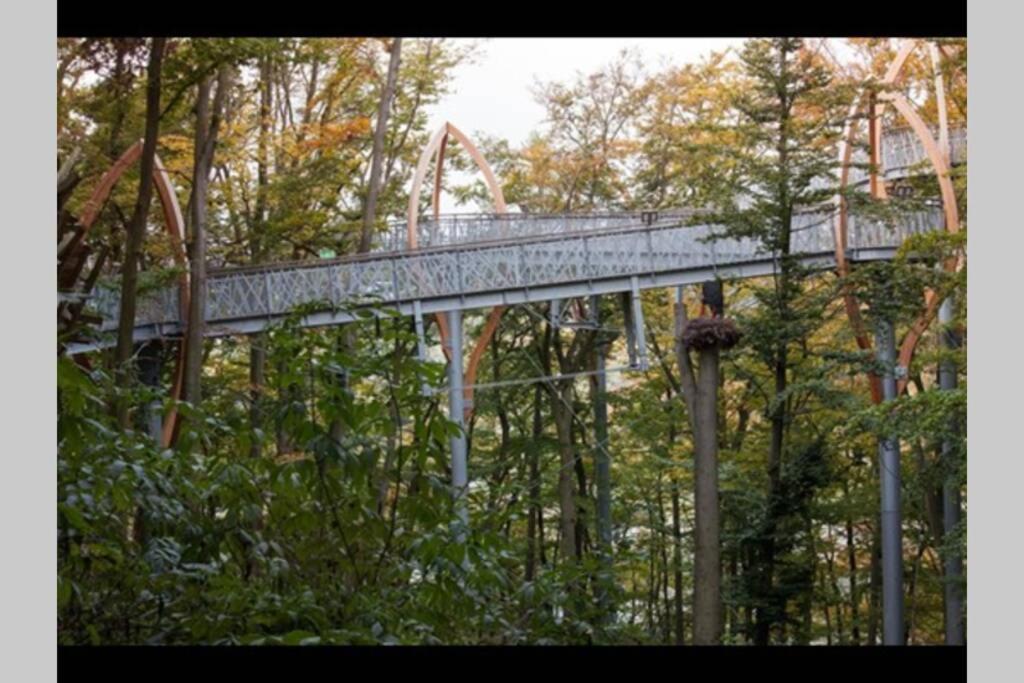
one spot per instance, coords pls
(901, 152)
(456, 236)
(453, 271)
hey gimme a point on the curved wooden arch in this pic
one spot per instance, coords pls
(174, 223)
(938, 156)
(436, 148)
(438, 143)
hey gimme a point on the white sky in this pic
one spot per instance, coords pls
(493, 94)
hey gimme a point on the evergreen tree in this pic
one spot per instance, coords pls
(789, 114)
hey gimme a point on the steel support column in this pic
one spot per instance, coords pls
(421, 342)
(889, 461)
(456, 414)
(627, 317)
(952, 562)
(638, 325)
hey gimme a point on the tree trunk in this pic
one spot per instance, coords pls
(851, 555)
(257, 228)
(602, 473)
(750, 575)
(735, 627)
(767, 614)
(652, 574)
(953, 567)
(828, 617)
(875, 586)
(137, 229)
(663, 542)
(347, 333)
(533, 523)
(561, 400)
(68, 178)
(915, 568)
(804, 634)
(707, 601)
(207, 125)
(382, 476)
(582, 504)
(677, 565)
(122, 81)
(370, 207)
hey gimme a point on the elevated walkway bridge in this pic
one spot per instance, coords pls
(469, 261)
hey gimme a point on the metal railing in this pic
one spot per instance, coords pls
(466, 253)
(527, 263)
(902, 153)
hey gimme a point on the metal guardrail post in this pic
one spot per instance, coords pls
(638, 324)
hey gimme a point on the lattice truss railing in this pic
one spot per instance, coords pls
(902, 153)
(455, 229)
(902, 149)
(523, 264)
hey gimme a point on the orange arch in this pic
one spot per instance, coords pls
(175, 226)
(939, 159)
(436, 147)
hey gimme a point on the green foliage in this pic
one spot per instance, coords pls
(313, 506)
(207, 544)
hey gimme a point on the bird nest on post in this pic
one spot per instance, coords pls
(708, 333)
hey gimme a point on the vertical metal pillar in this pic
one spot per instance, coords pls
(457, 415)
(150, 363)
(952, 562)
(889, 461)
(627, 316)
(638, 321)
(421, 341)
